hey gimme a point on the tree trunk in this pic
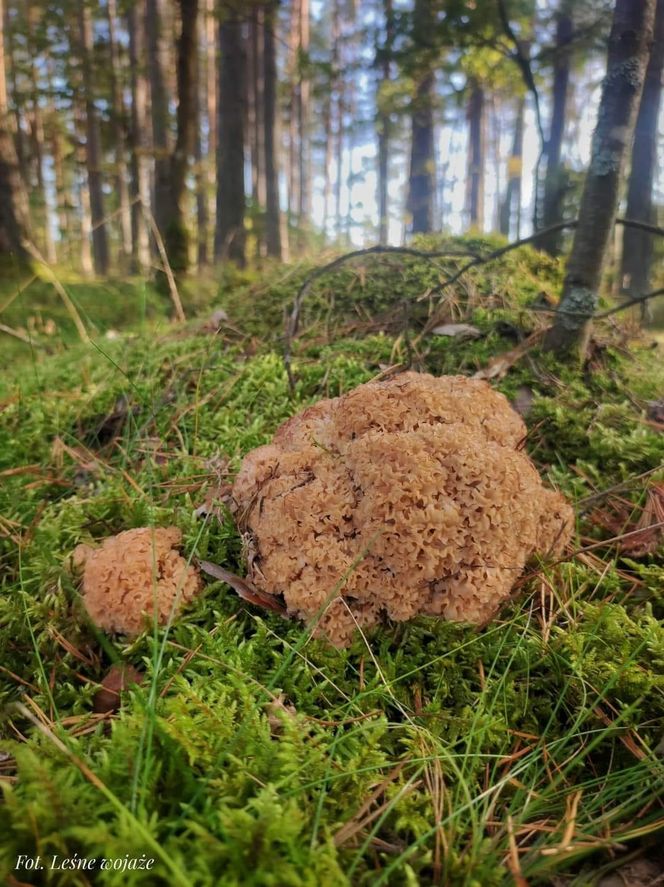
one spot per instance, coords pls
(304, 160)
(629, 44)
(14, 225)
(272, 228)
(202, 216)
(157, 62)
(511, 205)
(229, 240)
(62, 190)
(93, 154)
(476, 140)
(384, 123)
(85, 222)
(38, 141)
(140, 176)
(212, 84)
(637, 251)
(421, 180)
(293, 64)
(554, 180)
(118, 119)
(176, 239)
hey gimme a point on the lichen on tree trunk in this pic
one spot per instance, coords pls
(629, 43)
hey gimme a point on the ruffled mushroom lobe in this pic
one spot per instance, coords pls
(133, 576)
(405, 496)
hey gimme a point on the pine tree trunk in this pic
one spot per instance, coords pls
(304, 112)
(202, 217)
(229, 240)
(554, 181)
(476, 145)
(176, 235)
(38, 141)
(421, 180)
(14, 223)
(629, 46)
(293, 65)
(62, 189)
(140, 176)
(157, 62)
(511, 205)
(83, 192)
(212, 84)
(93, 153)
(118, 119)
(637, 251)
(255, 123)
(384, 124)
(272, 227)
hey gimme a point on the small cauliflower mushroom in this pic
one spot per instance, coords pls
(405, 496)
(132, 573)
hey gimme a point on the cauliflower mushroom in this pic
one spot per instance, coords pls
(405, 496)
(133, 574)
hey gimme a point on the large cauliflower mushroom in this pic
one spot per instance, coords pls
(134, 574)
(405, 496)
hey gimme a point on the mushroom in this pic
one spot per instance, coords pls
(403, 497)
(134, 574)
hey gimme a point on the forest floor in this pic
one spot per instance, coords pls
(529, 752)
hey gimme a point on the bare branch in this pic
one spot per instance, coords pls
(372, 250)
(522, 60)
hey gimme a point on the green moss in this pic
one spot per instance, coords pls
(251, 754)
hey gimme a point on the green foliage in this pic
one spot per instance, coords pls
(251, 754)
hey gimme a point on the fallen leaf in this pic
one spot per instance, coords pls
(457, 331)
(523, 400)
(643, 536)
(500, 365)
(243, 588)
(117, 679)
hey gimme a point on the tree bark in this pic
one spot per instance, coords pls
(637, 250)
(293, 65)
(211, 61)
(384, 123)
(140, 176)
(476, 146)
(421, 179)
(554, 179)
(118, 120)
(176, 239)
(93, 153)
(511, 205)
(157, 61)
(14, 223)
(38, 140)
(272, 227)
(202, 216)
(304, 113)
(85, 222)
(229, 240)
(629, 46)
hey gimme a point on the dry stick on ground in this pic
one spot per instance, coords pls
(372, 250)
(292, 320)
(18, 335)
(166, 265)
(32, 250)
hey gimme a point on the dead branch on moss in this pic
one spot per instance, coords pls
(292, 319)
(314, 275)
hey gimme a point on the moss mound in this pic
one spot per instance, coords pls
(252, 751)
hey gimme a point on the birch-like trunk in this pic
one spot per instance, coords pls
(637, 246)
(93, 152)
(629, 47)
